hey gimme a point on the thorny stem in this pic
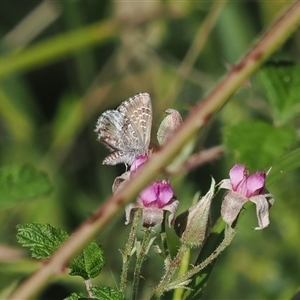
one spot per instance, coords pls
(277, 34)
(127, 253)
(229, 235)
(141, 255)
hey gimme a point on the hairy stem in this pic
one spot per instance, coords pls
(171, 270)
(229, 235)
(141, 255)
(126, 254)
(184, 265)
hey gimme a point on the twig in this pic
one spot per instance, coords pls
(200, 158)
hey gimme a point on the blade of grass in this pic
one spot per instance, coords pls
(195, 49)
(56, 47)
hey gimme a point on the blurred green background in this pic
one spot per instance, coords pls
(63, 63)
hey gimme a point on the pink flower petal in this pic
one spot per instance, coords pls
(231, 206)
(262, 210)
(242, 188)
(158, 194)
(237, 174)
(149, 195)
(139, 161)
(165, 194)
(255, 184)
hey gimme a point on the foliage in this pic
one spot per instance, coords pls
(44, 239)
(249, 138)
(22, 182)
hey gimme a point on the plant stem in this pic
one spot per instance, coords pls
(171, 269)
(141, 256)
(184, 265)
(229, 235)
(88, 285)
(127, 253)
(164, 242)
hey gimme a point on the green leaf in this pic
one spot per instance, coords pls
(280, 83)
(89, 263)
(258, 144)
(44, 239)
(99, 293)
(20, 182)
(41, 239)
(282, 167)
(75, 296)
(106, 293)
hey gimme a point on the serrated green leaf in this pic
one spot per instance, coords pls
(20, 182)
(106, 293)
(41, 239)
(280, 83)
(258, 144)
(89, 263)
(76, 296)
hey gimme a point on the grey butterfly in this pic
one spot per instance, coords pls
(126, 131)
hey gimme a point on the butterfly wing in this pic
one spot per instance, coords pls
(109, 126)
(126, 131)
(138, 110)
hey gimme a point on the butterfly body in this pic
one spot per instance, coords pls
(126, 131)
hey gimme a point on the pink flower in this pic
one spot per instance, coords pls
(157, 195)
(139, 161)
(242, 188)
(154, 200)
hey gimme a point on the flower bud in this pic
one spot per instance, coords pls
(193, 225)
(168, 126)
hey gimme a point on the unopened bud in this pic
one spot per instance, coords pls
(168, 125)
(193, 225)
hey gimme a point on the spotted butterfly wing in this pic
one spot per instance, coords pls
(126, 131)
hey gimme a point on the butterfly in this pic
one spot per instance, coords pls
(126, 131)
